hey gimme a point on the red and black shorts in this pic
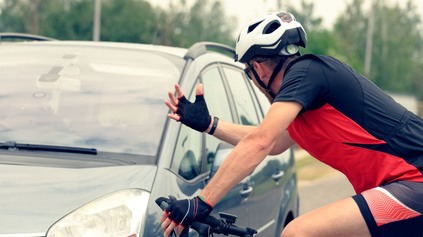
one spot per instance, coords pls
(394, 209)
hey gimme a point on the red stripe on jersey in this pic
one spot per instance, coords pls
(323, 133)
(385, 208)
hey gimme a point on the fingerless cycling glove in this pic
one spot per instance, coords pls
(194, 115)
(187, 211)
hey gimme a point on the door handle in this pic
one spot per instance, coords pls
(278, 175)
(246, 191)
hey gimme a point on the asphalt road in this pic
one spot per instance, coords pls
(317, 193)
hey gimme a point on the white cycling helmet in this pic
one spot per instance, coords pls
(271, 35)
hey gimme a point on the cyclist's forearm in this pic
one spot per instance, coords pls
(252, 150)
(230, 132)
(249, 152)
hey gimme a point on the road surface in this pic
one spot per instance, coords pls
(317, 193)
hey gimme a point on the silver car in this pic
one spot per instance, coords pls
(86, 146)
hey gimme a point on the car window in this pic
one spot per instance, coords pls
(187, 156)
(215, 94)
(264, 102)
(188, 151)
(217, 101)
(240, 90)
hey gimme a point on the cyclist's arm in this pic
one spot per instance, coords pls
(251, 150)
(228, 132)
(233, 133)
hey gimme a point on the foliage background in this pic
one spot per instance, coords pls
(384, 44)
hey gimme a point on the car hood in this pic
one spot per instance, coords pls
(32, 198)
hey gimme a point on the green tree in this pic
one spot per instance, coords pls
(62, 19)
(319, 39)
(350, 32)
(121, 20)
(398, 44)
(17, 16)
(128, 21)
(396, 51)
(205, 20)
(67, 19)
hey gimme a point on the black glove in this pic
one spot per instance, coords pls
(194, 115)
(187, 211)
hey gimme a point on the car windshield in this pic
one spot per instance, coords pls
(106, 98)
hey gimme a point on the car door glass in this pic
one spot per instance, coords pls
(218, 105)
(264, 102)
(244, 103)
(187, 156)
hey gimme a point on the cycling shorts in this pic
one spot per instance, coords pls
(393, 209)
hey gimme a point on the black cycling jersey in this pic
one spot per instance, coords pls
(346, 113)
(350, 124)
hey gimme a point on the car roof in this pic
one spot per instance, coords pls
(176, 51)
(193, 52)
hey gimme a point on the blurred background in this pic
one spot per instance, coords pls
(382, 39)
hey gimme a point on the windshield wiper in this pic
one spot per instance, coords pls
(13, 146)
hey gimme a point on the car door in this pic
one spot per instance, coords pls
(265, 182)
(198, 155)
(219, 104)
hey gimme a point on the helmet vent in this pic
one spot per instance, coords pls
(271, 27)
(253, 26)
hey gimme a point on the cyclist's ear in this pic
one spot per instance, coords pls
(199, 89)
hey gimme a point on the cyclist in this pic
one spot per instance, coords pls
(335, 114)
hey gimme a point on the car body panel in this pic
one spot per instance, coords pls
(34, 197)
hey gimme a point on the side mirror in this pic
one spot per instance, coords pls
(223, 150)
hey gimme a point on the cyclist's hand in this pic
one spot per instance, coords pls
(169, 227)
(194, 115)
(184, 212)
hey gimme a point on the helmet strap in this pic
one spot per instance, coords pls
(261, 83)
(272, 78)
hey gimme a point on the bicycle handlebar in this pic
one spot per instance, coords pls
(224, 225)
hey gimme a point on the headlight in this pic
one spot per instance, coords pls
(118, 214)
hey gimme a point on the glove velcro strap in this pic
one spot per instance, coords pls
(202, 198)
